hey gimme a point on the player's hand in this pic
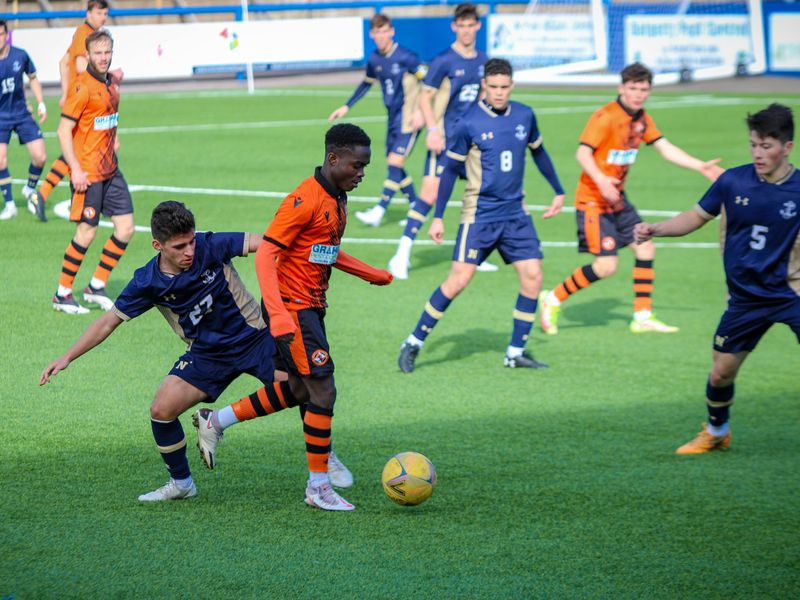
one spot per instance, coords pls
(609, 189)
(643, 232)
(383, 278)
(436, 230)
(42, 111)
(54, 368)
(80, 180)
(555, 207)
(339, 113)
(435, 141)
(711, 169)
(117, 75)
(417, 120)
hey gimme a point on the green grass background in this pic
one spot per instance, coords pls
(552, 484)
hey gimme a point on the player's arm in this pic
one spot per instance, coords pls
(254, 242)
(353, 266)
(545, 165)
(81, 62)
(686, 222)
(447, 181)
(606, 184)
(36, 88)
(359, 93)
(434, 138)
(710, 169)
(63, 72)
(79, 179)
(94, 335)
(281, 324)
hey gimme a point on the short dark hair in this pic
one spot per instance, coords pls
(379, 20)
(100, 34)
(345, 135)
(636, 72)
(169, 219)
(92, 4)
(4, 24)
(466, 10)
(497, 66)
(775, 121)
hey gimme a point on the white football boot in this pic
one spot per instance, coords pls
(169, 491)
(339, 474)
(207, 436)
(323, 496)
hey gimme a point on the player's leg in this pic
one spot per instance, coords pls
(596, 235)
(38, 152)
(58, 171)
(173, 398)
(530, 283)
(85, 231)
(9, 208)
(117, 203)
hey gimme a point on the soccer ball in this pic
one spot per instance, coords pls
(408, 478)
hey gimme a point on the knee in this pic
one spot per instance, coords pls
(721, 376)
(531, 284)
(125, 232)
(324, 398)
(160, 410)
(38, 158)
(454, 286)
(3, 161)
(604, 269)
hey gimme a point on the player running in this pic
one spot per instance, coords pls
(399, 71)
(759, 204)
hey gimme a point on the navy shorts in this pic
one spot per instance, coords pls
(110, 197)
(213, 374)
(514, 239)
(742, 327)
(602, 234)
(397, 141)
(434, 165)
(27, 130)
(309, 353)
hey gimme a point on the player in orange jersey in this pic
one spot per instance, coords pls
(608, 148)
(294, 264)
(88, 133)
(72, 64)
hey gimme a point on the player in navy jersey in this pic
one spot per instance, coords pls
(492, 140)
(760, 207)
(15, 116)
(399, 71)
(450, 88)
(194, 285)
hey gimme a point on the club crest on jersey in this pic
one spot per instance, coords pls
(520, 132)
(208, 276)
(789, 209)
(16, 66)
(323, 254)
(319, 357)
(395, 69)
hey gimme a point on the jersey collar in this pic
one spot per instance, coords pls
(782, 180)
(106, 80)
(331, 189)
(473, 54)
(391, 50)
(635, 114)
(492, 112)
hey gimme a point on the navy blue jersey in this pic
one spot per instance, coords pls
(494, 147)
(399, 72)
(458, 81)
(207, 305)
(761, 228)
(12, 91)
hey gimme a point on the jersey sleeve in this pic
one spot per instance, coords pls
(134, 300)
(535, 137)
(436, 73)
(595, 130)
(459, 142)
(78, 45)
(77, 99)
(30, 68)
(710, 205)
(371, 76)
(293, 215)
(651, 131)
(225, 246)
(416, 67)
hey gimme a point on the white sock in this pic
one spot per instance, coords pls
(404, 247)
(719, 431)
(379, 209)
(63, 291)
(642, 315)
(514, 352)
(184, 483)
(226, 417)
(553, 299)
(317, 479)
(97, 284)
(415, 341)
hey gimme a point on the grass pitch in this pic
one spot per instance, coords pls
(552, 484)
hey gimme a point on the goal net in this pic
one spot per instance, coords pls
(590, 41)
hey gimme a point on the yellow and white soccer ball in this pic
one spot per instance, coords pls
(408, 478)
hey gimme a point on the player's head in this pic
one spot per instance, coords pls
(466, 24)
(497, 82)
(3, 32)
(172, 225)
(347, 153)
(637, 83)
(97, 13)
(99, 49)
(381, 31)
(771, 139)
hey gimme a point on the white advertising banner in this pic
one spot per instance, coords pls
(672, 43)
(784, 42)
(182, 50)
(530, 41)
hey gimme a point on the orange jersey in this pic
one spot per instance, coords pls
(615, 136)
(308, 228)
(93, 104)
(76, 48)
